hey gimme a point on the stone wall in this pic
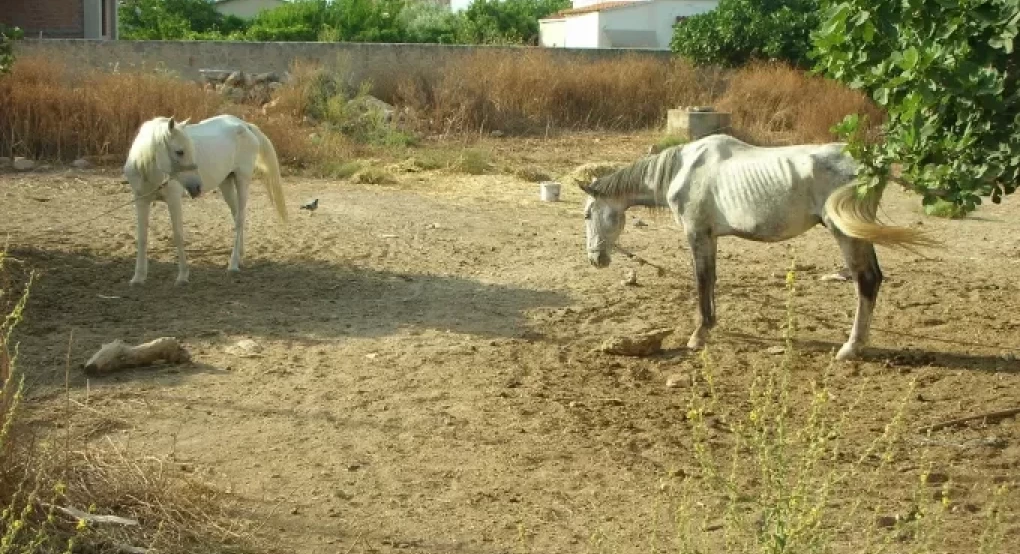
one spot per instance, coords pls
(382, 63)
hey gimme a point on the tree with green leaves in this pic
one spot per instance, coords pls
(174, 20)
(505, 21)
(740, 31)
(338, 20)
(946, 73)
(428, 22)
(7, 37)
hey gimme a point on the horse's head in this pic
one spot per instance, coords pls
(181, 152)
(604, 217)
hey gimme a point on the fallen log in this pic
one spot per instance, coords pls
(118, 355)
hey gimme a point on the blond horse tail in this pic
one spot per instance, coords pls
(269, 165)
(856, 217)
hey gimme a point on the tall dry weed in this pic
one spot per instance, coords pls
(534, 92)
(774, 104)
(48, 112)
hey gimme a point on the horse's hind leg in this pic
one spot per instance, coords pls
(142, 207)
(229, 190)
(703, 248)
(173, 204)
(867, 275)
(241, 183)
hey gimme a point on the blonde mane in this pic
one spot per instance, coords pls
(151, 140)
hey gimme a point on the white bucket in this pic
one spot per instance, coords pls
(549, 191)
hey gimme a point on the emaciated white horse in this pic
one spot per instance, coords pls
(169, 159)
(720, 186)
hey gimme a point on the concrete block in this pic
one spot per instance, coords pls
(23, 164)
(695, 123)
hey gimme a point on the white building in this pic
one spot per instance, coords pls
(619, 24)
(246, 9)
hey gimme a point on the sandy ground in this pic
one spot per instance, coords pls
(427, 375)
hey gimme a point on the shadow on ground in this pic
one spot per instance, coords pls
(304, 301)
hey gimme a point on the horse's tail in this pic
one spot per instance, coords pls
(856, 217)
(269, 165)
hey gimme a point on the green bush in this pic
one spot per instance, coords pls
(427, 22)
(505, 21)
(741, 31)
(421, 21)
(175, 20)
(7, 37)
(340, 20)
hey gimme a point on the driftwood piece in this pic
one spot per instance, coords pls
(118, 355)
(990, 417)
(93, 518)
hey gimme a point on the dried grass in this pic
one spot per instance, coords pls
(774, 104)
(48, 112)
(534, 92)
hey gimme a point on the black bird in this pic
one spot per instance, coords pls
(311, 206)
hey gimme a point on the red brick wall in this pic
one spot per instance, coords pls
(53, 18)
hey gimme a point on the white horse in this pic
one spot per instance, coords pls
(169, 159)
(720, 186)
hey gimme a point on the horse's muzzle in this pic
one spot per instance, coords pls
(194, 190)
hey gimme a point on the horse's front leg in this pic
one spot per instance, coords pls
(173, 203)
(142, 207)
(703, 249)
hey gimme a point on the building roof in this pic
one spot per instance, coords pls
(599, 7)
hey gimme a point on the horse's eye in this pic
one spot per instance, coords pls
(587, 215)
(180, 153)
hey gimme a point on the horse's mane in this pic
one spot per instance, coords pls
(657, 170)
(152, 136)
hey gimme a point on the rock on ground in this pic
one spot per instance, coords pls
(644, 344)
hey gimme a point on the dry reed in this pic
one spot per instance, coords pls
(774, 104)
(49, 112)
(533, 92)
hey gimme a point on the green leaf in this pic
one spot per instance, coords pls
(881, 96)
(908, 59)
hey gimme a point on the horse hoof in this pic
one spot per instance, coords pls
(180, 282)
(847, 352)
(136, 282)
(695, 343)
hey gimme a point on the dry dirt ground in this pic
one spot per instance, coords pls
(428, 376)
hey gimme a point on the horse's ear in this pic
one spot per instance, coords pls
(170, 124)
(589, 189)
(185, 122)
